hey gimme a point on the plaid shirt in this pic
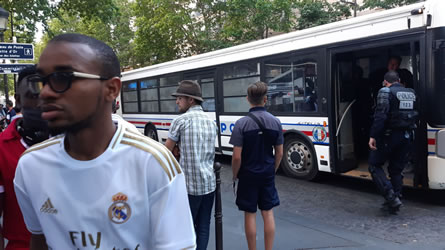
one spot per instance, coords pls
(196, 134)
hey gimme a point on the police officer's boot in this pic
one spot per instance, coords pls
(392, 202)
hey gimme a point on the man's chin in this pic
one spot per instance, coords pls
(56, 129)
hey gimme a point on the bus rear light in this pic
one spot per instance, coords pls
(440, 144)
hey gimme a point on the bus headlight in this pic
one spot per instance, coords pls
(440, 144)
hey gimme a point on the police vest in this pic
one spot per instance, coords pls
(403, 114)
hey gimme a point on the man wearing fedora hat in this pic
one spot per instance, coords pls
(195, 133)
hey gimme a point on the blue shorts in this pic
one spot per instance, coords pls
(256, 192)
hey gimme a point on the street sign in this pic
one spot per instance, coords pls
(13, 68)
(17, 51)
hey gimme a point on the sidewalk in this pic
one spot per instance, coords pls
(293, 231)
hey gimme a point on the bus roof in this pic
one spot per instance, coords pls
(349, 29)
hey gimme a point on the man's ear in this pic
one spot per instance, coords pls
(112, 88)
(191, 101)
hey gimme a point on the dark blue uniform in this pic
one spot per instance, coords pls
(393, 128)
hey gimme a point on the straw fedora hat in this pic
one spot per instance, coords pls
(190, 89)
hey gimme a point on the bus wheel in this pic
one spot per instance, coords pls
(150, 131)
(299, 159)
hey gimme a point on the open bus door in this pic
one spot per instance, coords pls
(343, 100)
(351, 113)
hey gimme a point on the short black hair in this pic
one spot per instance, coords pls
(9, 103)
(30, 70)
(110, 66)
(391, 77)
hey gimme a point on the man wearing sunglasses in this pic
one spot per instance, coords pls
(22, 133)
(99, 185)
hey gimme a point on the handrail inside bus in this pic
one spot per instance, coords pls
(343, 117)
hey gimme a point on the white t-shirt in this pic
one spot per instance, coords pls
(133, 196)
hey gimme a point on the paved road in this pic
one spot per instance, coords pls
(339, 213)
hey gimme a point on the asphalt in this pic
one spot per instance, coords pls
(294, 231)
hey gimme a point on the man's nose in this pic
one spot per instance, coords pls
(46, 92)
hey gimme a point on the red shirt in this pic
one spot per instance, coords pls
(14, 228)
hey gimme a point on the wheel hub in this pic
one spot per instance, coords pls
(297, 157)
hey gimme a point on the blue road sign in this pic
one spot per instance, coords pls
(17, 51)
(13, 68)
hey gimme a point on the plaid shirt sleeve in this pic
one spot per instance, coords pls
(175, 130)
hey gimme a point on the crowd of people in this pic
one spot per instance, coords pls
(74, 176)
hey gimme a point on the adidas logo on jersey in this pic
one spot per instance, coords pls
(48, 207)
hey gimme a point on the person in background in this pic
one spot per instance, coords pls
(10, 113)
(255, 138)
(391, 138)
(195, 133)
(22, 133)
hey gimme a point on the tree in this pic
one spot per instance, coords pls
(386, 4)
(249, 20)
(26, 14)
(116, 31)
(163, 30)
(318, 12)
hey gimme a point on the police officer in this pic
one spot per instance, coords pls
(391, 136)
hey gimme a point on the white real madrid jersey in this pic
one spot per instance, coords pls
(133, 196)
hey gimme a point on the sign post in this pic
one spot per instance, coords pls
(14, 68)
(14, 51)
(17, 51)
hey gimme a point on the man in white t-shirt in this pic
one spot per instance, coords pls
(99, 185)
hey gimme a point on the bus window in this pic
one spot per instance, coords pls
(130, 97)
(208, 94)
(236, 80)
(168, 102)
(149, 95)
(292, 85)
(169, 80)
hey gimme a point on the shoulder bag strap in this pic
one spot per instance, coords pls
(257, 121)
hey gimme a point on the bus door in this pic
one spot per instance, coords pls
(343, 99)
(356, 77)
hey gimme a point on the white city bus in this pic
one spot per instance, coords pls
(322, 86)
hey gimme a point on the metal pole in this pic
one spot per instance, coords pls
(218, 208)
(12, 40)
(5, 77)
(355, 8)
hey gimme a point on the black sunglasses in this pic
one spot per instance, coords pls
(59, 82)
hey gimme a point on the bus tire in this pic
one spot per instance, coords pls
(150, 131)
(299, 159)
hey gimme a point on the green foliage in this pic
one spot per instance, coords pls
(28, 13)
(10, 85)
(160, 30)
(248, 20)
(115, 31)
(386, 4)
(318, 12)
